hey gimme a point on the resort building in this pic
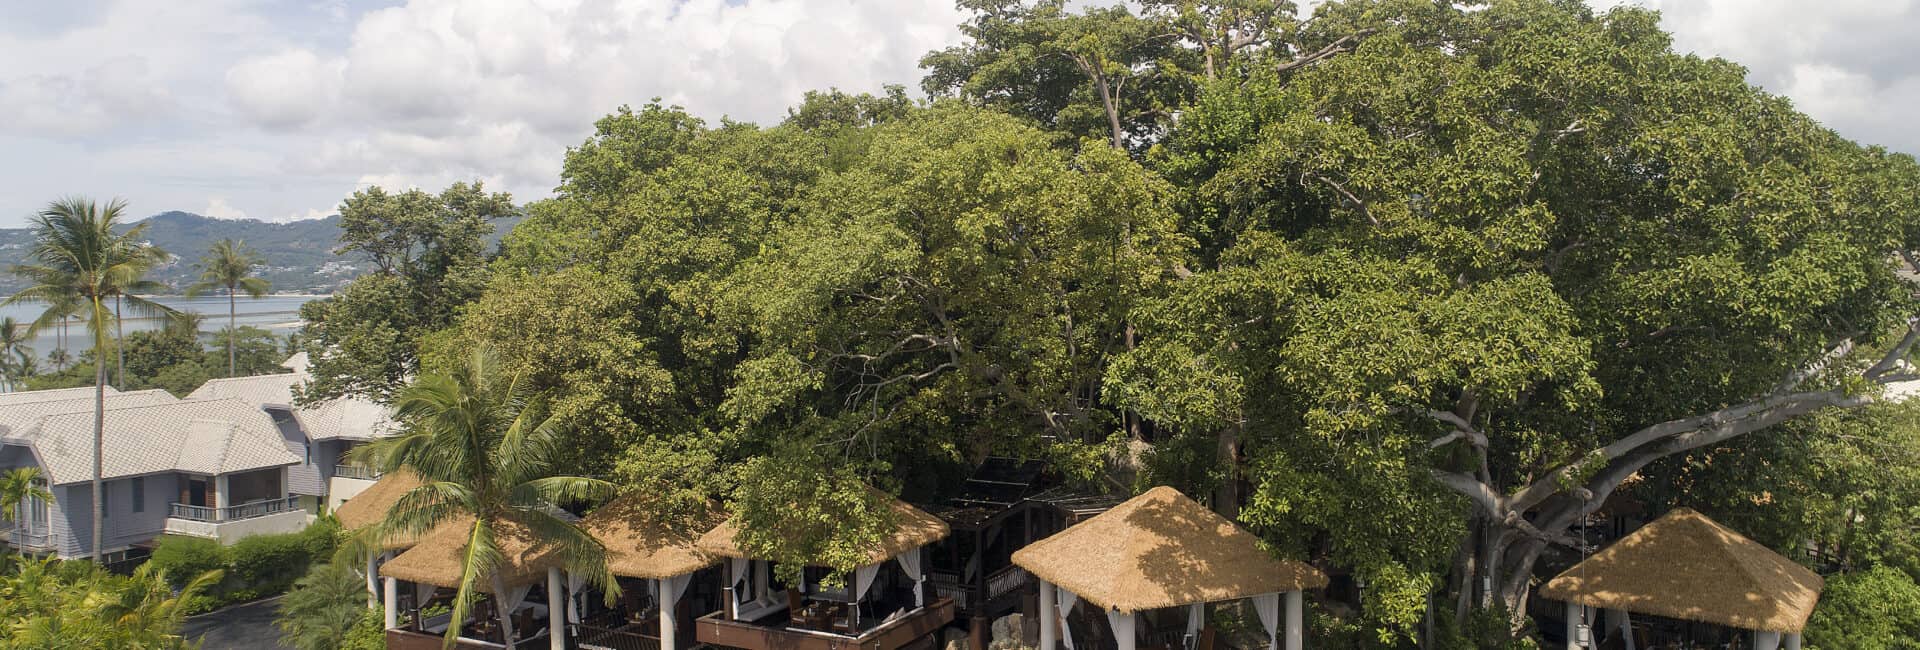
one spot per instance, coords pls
(322, 433)
(215, 468)
(666, 582)
(429, 572)
(235, 458)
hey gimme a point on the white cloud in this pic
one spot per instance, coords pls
(1848, 63)
(218, 208)
(280, 107)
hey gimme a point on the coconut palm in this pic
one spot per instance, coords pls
(322, 606)
(185, 323)
(80, 260)
(229, 265)
(487, 454)
(13, 345)
(16, 488)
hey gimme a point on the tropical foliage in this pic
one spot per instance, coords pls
(487, 453)
(52, 605)
(229, 266)
(83, 262)
(1410, 288)
(322, 608)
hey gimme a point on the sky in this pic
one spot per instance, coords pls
(277, 110)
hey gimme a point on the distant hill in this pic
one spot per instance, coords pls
(299, 254)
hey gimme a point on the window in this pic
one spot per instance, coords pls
(139, 494)
(309, 453)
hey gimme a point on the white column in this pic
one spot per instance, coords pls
(667, 642)
(1296, 630)
(556, 613)
(393, 603)
(222, 497)
(1047, 618)
(373, 581)
(1766, 640)
(1793, 641)
(1573, 626)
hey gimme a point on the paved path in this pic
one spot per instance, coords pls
(241, 627)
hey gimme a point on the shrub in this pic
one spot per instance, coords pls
(1877, 609)
(269, 564)
(366, 634)
(182, 558)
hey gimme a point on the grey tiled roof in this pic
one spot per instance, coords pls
(21, 414)
(345, 418)
(201, 436)
(50, 395)
(258, 390)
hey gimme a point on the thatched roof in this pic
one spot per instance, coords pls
(1688, 567)
(1162, 549)
(437, 558)
(638, 547)
(370, 506)
(914, 528)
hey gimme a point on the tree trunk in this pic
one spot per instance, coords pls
(232, 332)
(119, 347)
(99, 426)
(1113, 110)
(1226, 499)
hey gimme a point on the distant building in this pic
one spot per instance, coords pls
(233, 459)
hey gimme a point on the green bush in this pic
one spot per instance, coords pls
(366, 634)
(1878, 609)
(182, 558)
(256, 567)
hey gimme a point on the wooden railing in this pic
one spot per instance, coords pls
(31, 539)
(234, 513)
(716, 629)
(1000, 583)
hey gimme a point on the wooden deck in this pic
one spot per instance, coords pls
(716, 630)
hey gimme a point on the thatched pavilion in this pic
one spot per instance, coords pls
(1163, 550)
(640, 547)
(1685, 566)
(808, 615)
(366, 510)
(435, 562)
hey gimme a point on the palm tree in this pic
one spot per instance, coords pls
(13, 344)
(78, 259)
(229, 265)
(185, 323)
(322, 606)
(487, 454)
(16, 487)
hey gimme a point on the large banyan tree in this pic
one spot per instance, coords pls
(1462, 281)
(1407, 286)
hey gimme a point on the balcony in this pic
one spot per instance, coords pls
(360, 472)
(715, 629)
(229, 524)
(31, 540)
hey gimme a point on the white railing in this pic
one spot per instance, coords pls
(355, 471)
(240, 512)
(31, 538)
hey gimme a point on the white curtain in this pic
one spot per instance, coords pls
(1122, 627)
(737, 567)
(422, 593)
(518, 596)
(1624, 622)
(910, 563)
(1065, 600)
(863, 580)
(574, 583)
(1196, 618)
(1268, 607)
(671, 589)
